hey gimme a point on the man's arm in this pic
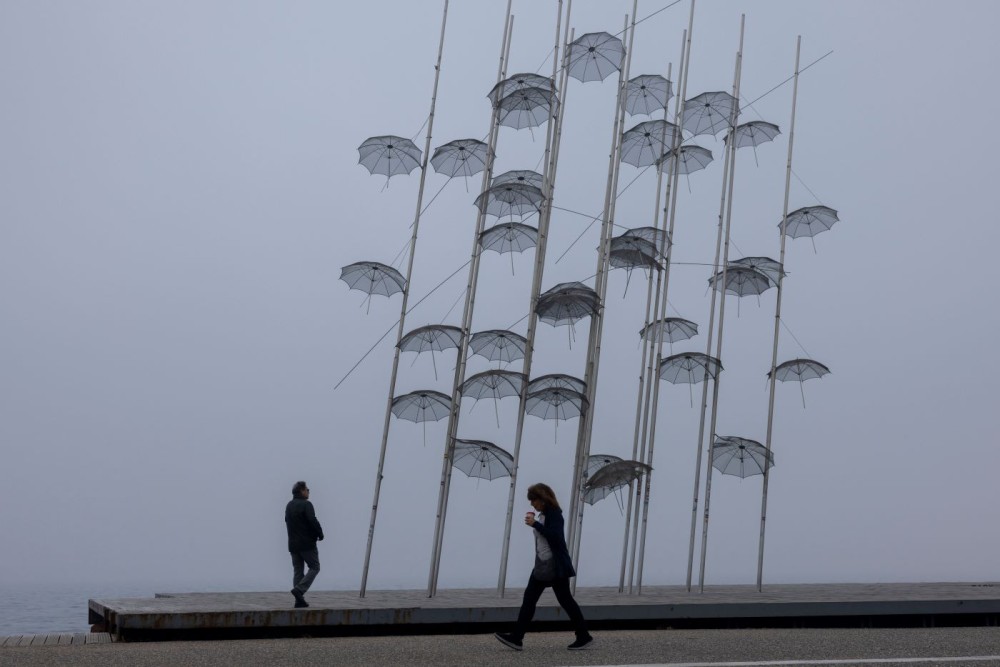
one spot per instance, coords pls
(313, 521)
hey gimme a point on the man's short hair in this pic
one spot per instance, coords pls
(298, 488)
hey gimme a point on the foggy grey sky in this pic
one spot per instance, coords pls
(179, 188)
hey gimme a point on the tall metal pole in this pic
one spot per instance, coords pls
(731, 147)
(601, 285)
(402, 310)
(470, 300)
(548, 180)
(653, 411)
(652, 304)
(777, 315)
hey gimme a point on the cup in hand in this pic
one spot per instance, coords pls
(529, 517)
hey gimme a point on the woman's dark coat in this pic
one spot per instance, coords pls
(552, 530)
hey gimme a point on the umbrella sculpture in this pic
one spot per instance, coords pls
(389, 155)
(689, 159)
(556, 403)
(651, 234)
(526, 176)
(594, 56)
(509, 237)
(769, 267)
(559, 380)
(527, 108)
(496, 384)
(708, 113)
(519, 82)
(373, 278)
(422, 406)
(809, 221)
(462, 157)
(647, 143)
(742, 457)
(478, 458)
(646, 94)
(431, 338)
(513, 199)
(741, 281)
(612, 477)
(689, 368)
(754, 133)
(498, 345)
(630, 252)
(672, 329)
(565, 304)
(597, 461)
(799, 370)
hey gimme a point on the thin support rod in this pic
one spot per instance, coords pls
(402, 308)
(777, 319)
(731, 146)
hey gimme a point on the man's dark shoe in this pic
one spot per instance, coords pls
(300, 601)
(509, 640)
(581, 643)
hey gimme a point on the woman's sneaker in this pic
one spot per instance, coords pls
(509, 640)
(581, 643)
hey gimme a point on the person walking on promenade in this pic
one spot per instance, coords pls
(303, 531)
(553, 567)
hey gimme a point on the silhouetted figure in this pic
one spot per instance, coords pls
(303, 531)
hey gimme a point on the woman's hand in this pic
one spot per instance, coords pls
(529, 519)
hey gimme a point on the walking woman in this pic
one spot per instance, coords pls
(553, 567)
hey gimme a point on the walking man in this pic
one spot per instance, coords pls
(303, 531)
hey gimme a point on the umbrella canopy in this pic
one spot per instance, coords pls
(527, 107)
(647, 93)
(431, 338)
(689, 159)
(526, 176)
(689, 368)
(556, 403)
(510, 199)
(610, 477)
(708, 113)
(672, 329)
(594, 56)
(799, 370)
(647, 142)
(741, 281)
(421, 406)
(769, 267)
(630, 252)
(810, 221)
(373, 278)
(462, 157)
(567, 303)
(754, 133)
(493, 384)
(509, 237)
(557, 380)
(389, 155)
(651, 234)
(519, 82)
(742, 457)
(478, 458)
(597, 461)
(498, 345)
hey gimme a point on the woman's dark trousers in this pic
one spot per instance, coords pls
(534, 591)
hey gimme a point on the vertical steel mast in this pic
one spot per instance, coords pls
(402, 309)
(777, 315)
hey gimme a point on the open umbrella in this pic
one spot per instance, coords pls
(646, 94)
(558, 380)
(753, 133)
(594, 56)
(509, 237)
(495, 384)
(462, 157)
(517, 82)
(527, 108)
(498, 345)
(612, 477)
(525, 176)
(799, 370)
(556, 403)
(513, 199)
(708, 113)
(373, 278)
(431, 338)
(689, 368)
(389, 155)
(742, 457)
(809, 221)
(672, 329)
(478, 458)
(422, 406)
(647, 142)
(769, 267)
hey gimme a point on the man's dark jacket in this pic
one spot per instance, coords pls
(303, 528)
(552, 530)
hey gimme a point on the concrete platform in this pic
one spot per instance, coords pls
(249, 615)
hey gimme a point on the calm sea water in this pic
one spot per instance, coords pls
(37, 610)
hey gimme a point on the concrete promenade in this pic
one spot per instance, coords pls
(259, 615)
